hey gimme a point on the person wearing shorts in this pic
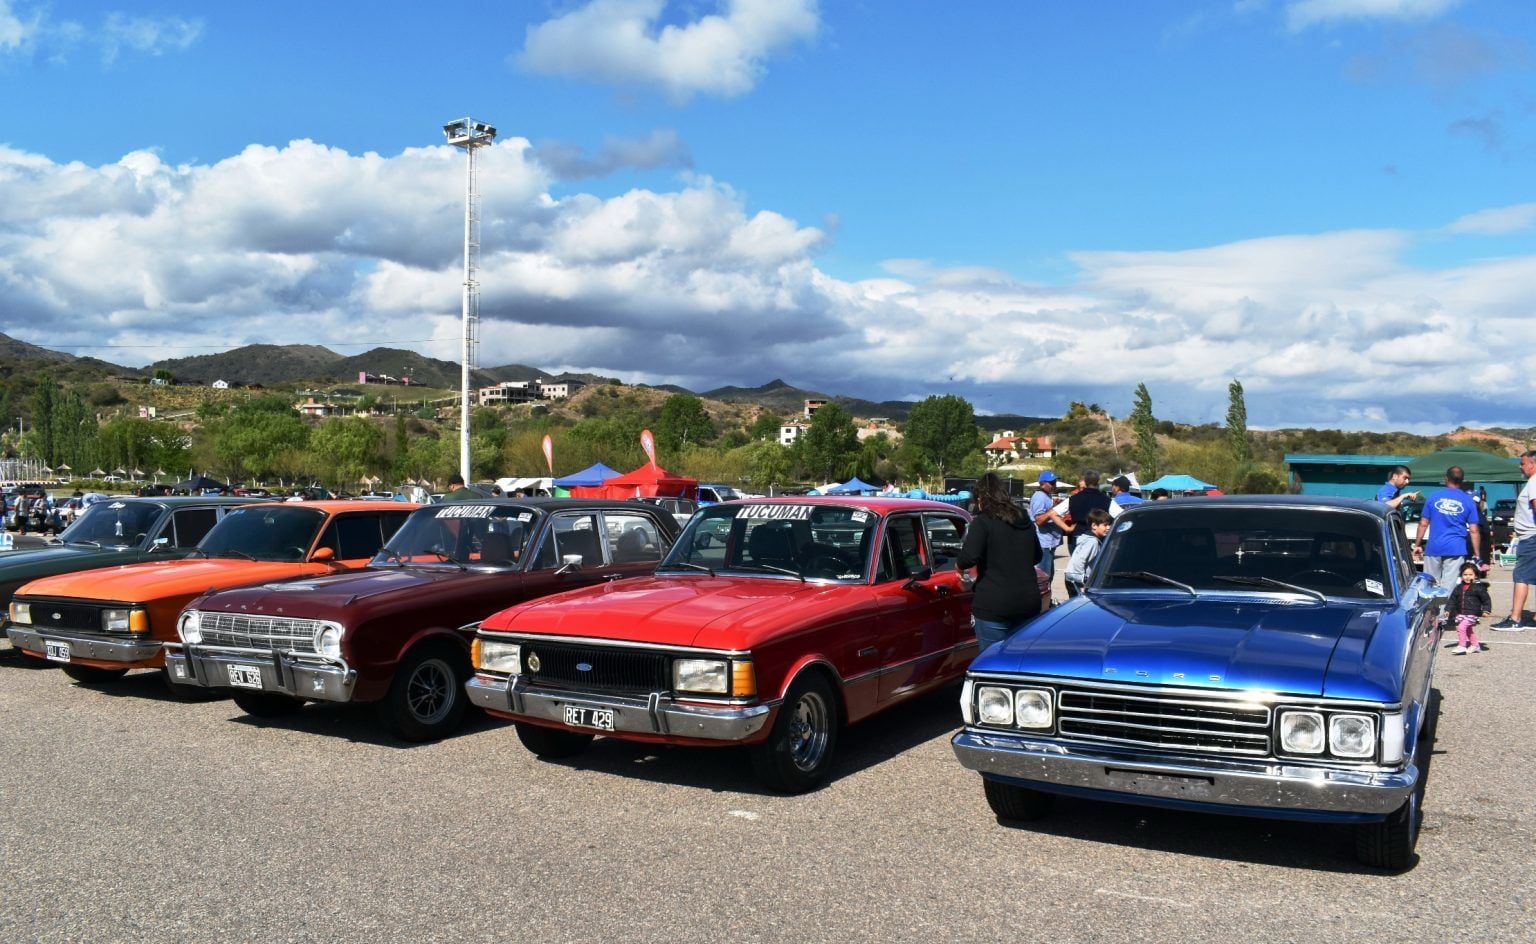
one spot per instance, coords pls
(1523, 542)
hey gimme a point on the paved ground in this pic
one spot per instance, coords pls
(131, 817)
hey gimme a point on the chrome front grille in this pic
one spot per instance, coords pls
(272, 633)
(1182, 721)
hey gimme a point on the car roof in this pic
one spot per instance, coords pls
(1315, 502)
(551, 504)
(868, 502)
(338, 505)
(179, 500)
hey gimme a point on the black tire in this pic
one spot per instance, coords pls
(181, 691)
(1020, 804)
(91, 675)
(426, 699)
(552, 743)
(1389, 844)
(797, 756)
(1430, 725)
(266, 704)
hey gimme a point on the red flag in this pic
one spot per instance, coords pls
(648, 443)
(549, 453)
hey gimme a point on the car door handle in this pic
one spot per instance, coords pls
(612, 576)
(945, 590)
(867, 651)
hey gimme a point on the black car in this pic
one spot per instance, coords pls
(1502, 517)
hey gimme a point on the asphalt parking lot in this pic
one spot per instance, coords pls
(131, 817)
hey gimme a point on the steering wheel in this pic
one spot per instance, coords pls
(1337, 579)
(830, 564)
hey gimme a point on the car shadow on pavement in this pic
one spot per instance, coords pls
(16, 659)
(358, 723)
(729, 769)
(1319, 847)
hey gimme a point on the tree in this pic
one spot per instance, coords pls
(1145, 425)
(43, 397)
(1237, 428)
(942, 430)
(683, 419)
(830, 444)
(766, 426)
(351, 446)
(767, 464)
(258, 438)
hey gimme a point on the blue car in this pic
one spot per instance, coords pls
(1267, 656)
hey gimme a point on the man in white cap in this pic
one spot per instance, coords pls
(1049, 525)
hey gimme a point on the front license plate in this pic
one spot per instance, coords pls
(600, 718)
(56, 651)
(245, 676)
(1166, 785)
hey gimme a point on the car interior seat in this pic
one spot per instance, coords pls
(773, 544)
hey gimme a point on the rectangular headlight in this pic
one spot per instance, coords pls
(704, 676)
(493, 655)
(1302, 732)
(994, 705)
(21, 613)
(1032, 708)
(1352, 735)
(132, 620)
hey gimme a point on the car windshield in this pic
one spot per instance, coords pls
(1276, 549)
(265, 532)
(112, 524)
(817, 542)
(727, 493)
(462, 533)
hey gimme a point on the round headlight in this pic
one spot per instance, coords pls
(1301, 732)
(1352, 735)
(994, 705)
(328, 641)
(190, 629)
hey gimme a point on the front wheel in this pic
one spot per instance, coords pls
(91, 675)
(1389, 843)
(266, 704)
(1017, 803)
(426, 700)
(797, 756)
(551, 743)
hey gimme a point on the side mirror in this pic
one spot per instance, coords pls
(569, 563)
(322, 554)
(917, 577)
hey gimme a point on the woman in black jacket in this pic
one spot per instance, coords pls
(1001, 544)
(1468, 602)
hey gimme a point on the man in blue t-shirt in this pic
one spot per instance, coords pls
(1122, 492)
(1049, 525)
(1450, 516)
(1392, 493)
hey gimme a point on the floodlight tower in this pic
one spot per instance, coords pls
(469, 134)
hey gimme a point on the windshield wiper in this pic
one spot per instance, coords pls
(85, 543)
(445, 556)
(197, 551)
(771, 569)
(1272, 582)
(391, 555)
(689, 565)
(1150, 577)
(235, 552)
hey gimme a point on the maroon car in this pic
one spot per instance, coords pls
(398, 632)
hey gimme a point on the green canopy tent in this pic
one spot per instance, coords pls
(1500, 475)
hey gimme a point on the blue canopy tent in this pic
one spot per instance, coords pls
(1176, 483)
(591, 477)
(853, 486)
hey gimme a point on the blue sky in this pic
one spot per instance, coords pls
(1024, 203)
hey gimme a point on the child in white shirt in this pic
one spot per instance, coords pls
(1087, 551)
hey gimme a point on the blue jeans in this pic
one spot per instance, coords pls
(1048, 561)
(992, 631)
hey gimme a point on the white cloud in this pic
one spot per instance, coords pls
(152, 36)
(660, 148)
(1497, 221)
(15, 32)
(622, 42)
(310, 244)
(1301, 14)
(116, 34)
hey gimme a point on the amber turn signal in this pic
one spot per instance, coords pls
(743, 679)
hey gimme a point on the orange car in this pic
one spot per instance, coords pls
(101, 623)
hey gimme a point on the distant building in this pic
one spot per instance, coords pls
(221, 385)
(790, 432)
(313, 407)
(811, 406)
(148, 412)
(363, 377)
(560, 390)
(1007, 449)
(506, 392)
(876, 426)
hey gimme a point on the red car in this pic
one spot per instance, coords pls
(772, 623)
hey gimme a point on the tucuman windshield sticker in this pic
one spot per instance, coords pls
(466, 511)
(116, 505)
(778, 512)
(1374, 586)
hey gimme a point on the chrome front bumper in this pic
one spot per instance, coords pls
(1258, 787)
(93, 648)
(657, 714)
(280, 672)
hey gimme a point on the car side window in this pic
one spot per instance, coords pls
(353, 536)
(631, 538)
(945, 534)
(901, 553)
(571, 533)
(191, 524)
(391, 523)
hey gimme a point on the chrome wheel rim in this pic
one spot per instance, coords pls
(809, 729)
(430, 690)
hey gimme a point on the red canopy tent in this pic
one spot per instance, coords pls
(647, 481)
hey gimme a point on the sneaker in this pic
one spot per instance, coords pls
(1475, 647)
(1507, 625)
(1459, 651)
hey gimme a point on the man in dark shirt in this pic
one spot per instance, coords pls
(458, 492)
(1084, 500)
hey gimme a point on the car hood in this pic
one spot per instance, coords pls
(703, 611)
(1238, 643)
(56, 558)
(156, 580)
(323, 596)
